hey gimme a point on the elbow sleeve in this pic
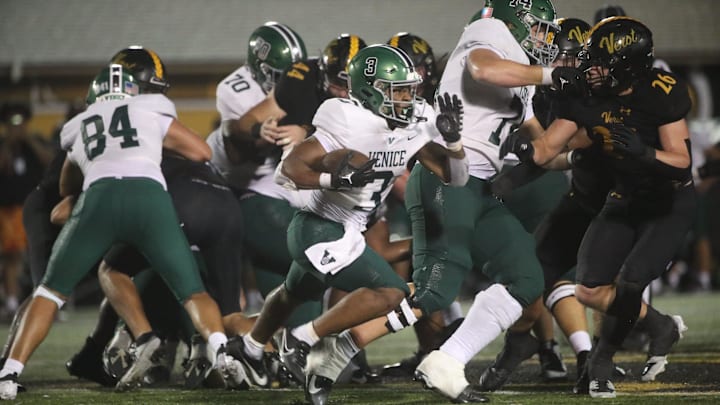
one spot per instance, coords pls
(459, 171)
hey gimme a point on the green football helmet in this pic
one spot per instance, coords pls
(112, 83)
(383, 79)
(520, 16)
(271, 49)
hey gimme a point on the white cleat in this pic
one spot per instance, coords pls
(147, 355)
(8, 387)
(442, 373)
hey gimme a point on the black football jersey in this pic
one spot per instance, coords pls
(657, 99)
(299, 92)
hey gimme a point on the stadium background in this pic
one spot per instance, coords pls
(50, 50)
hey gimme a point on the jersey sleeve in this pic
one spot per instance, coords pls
(68, 133)
(489, 33)
(331, 123)
(669, 95)
(157, 103)
(294, 93)
(237, 94)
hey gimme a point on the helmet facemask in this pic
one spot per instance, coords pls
(538, 42)
(399, 99)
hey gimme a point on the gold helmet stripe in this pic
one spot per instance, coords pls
(354, 47)
(158, 64)
(394, 41)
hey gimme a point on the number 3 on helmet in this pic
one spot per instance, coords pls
(385, 82)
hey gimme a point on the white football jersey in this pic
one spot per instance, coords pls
(119, 138)
(344, 123)
(237, 94)
(490, 112)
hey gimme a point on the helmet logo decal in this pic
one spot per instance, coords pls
(370, 66)
(612, 45)
(579, 35)
(526, 4)
(262, 48)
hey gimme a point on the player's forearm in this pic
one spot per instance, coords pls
(505, 73)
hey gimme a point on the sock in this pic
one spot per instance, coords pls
(253, 348)
(12, 366)
(215, 340)
(705, 280)
(453, 312)
(11, 303)
(492, 311)
(580, 341)
(306, 333)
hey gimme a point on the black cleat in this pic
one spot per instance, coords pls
(87, 364)
(551, 362)
(470, 396)
(518, 348)
(660, 346)
(293, 355)
(583, 379)
(255, 369)
(317, 389)
(405, 368)
(602, 389)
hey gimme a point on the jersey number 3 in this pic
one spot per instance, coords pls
(93, 132)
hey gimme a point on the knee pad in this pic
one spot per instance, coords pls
(628, 300)
(41, 291)
(401, 317)
(558, 293)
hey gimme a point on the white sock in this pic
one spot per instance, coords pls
(215, 340)
(493, 311)
(580, 341)
(306, 333)
(253, 348)
(11, 366)
(11, 303)
(453, 312)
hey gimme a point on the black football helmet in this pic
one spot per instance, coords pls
(146, 67)
(622, 48)
(608, 11)
(423, 58)
(335, 58)
(570, 40)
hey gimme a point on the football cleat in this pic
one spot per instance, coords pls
(117, 357)
(405, 368)
(255, 369)
(660, 346)
(198, 366)
(9, 386)
(88, 364)
(317, 389)
(518, 347)
(601, 389)
(551, 362)
(293, 355)
(147, 355)
(232, 370)
(445, 375)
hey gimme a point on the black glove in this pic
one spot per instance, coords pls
(449, 121)
(627, 142)
(570, 81)
(507, 181)
(519, 144)
(347, 176)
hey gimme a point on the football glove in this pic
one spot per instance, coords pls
(347, 176)
(570, 81)
(520, 144)
(449, 121)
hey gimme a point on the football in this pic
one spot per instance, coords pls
(332, 161)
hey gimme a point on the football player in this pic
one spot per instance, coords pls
(99, 165)
(636, 117)
(190, 184)
(277, 122)
(387, 122)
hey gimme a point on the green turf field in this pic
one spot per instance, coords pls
(693, 375)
